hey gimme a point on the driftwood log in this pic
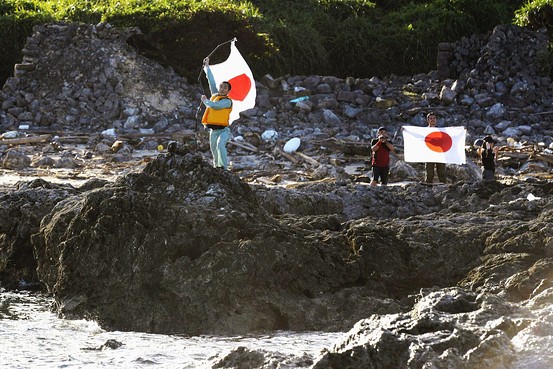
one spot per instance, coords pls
(26, 140)
(345, 146)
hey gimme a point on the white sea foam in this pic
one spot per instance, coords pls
(31, 336)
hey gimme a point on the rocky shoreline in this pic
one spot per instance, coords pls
(422, 276)
(184, 248)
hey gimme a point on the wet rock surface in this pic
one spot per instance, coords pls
(21, 211)
(182, 247)
(428, 276)
(185, 248)
(451, 328)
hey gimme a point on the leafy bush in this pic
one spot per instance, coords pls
(328, 37)
(14, 29)
(486, 14)
(545, 59)
(536, 14)
(409, 37)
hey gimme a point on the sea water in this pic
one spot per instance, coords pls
(32, 336)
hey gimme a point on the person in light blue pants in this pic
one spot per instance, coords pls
(216, 118)
(218, 139)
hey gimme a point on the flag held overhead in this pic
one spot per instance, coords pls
(236, 71)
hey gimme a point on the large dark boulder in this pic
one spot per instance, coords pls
(182, 247)
(185, 248)
(21, 211)
(448, 328)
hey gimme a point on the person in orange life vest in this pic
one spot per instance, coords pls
(440, 167)
(216, 118)
(381, 157)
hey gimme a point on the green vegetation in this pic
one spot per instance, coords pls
(538, 14)
(358, 38)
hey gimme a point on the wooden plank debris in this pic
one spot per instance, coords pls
(345, 146)
(26, 140)
(244, 145)
(286, 155)
(308, 159)
(546, 157)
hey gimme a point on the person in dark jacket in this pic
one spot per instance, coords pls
(381, 148)
(488, 154)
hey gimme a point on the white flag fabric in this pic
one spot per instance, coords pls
(236, 71)
(434, 145)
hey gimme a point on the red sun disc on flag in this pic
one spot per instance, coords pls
(438, 141)
(241, 86)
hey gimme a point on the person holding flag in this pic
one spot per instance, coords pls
(434, 146)
(236, 93)
(381, 148)
(216, 118)
(429, 166)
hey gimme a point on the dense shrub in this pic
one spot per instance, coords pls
(185, 43)
(487, 14)
(14, 30)
(536, 14)
(413, 46)
(361, 38)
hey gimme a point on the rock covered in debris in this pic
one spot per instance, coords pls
(87, 78)
(194, 254)
(117, 90)
(476, 86)
(484, 89)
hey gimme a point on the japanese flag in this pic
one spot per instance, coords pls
(236, 71)
(434, 145)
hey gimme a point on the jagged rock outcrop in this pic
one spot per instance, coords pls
(182, 247)
(451, 328)
(185, 248)
(21, 212)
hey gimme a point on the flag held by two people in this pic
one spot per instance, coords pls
(434, 145)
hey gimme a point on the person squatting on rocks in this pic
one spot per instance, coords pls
(216, 118)
(440, 167)
(488, 154)
(381, 157)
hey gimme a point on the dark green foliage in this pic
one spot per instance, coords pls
(545, 58)
(14, 30)
(413, 46)
(536, 14)
(486, 13)
(183, 44)
(361, 38)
